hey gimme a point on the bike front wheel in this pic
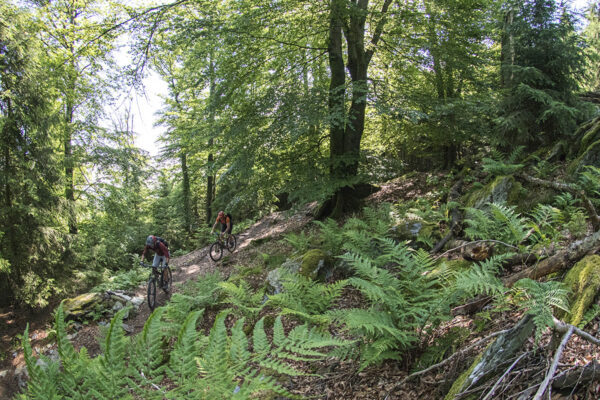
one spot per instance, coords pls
(231, 243)
(166, 279)
(152, 293)
(216, 251)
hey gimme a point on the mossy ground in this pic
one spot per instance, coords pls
(584, 282)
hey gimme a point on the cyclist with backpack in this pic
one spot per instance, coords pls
(160, 248)
(226, 224)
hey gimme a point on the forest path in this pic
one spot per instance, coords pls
(189, 266)
(198, 263)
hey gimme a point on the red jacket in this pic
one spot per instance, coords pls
(160, 249)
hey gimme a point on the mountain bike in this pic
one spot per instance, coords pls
(163, 276)
(216, 249)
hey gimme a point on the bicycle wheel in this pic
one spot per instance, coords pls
(152, 293)
(166, 279)
(216, 251)
(231, 243)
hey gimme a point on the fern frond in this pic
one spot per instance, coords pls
(539, 299)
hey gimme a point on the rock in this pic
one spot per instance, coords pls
(590, 156)
(274, 281)
(137, 301)
(4, 373)
(316, 265)
(117, 306)
(127, 328)
(503, 189)
(79, 307)
(583, 280)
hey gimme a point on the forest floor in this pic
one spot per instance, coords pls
(337, 380)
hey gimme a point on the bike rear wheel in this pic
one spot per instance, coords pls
(231, 243)
(152, 293)
(166, 279)
(216, 251)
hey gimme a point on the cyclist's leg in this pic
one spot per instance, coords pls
(157, 260)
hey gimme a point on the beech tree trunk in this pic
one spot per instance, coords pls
(346, 128)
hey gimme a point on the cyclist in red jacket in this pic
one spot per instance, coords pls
(160, 249)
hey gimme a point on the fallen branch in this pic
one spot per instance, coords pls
(563, 327)
(557, 262)
(453, 356)
(493, 389)
(542, 389)
(574, 377)
(475, 242)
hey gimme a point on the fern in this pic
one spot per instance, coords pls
(500, 222)
(589, 316)
(305, 298)
(503, 165)
(539, 299)
(244, 302)
(182, 361)
(300, 242)
(42, 383)
(148, 359)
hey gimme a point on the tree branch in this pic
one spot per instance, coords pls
(553, 366)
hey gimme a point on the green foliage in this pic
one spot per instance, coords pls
(305, 298)
(300, 242)
(124, 280)
(243, 302)
(540, 299)
(542, 74)
(589, 316)
(499, 221)
(218, 366)
(192, 296)
(504, 165)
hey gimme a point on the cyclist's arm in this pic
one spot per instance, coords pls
(144, 253)
(214, 226)
(228, 225)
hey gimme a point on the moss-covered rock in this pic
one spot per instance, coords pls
(316, 264)
(79, 307)
(503, 189)
(589, 156)
(584, 282)
(459, 383)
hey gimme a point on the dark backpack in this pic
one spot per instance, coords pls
(230, 217)
(163, 241)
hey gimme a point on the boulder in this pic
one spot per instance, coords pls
(503, 189)
(78, 308)
(274, 277)
(316, 265)
(583, 280)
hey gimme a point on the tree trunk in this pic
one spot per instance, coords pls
(69, 168)
(187, 212)
(210, 180)
(346, 129)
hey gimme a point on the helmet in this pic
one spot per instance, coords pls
(150, 241)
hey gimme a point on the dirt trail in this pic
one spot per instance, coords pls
(186, 267)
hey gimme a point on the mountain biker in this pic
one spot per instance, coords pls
(226, 224)
(160, 249)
